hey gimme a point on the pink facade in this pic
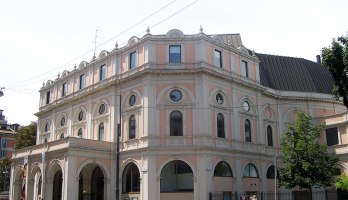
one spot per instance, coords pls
(191, 123)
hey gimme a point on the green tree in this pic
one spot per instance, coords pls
(26, 136)
(5, 169)
(342, 182)
(335, 58)
(306, 162)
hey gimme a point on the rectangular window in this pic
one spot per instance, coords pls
(82, 81)
(332, 136)
(132, 60)
(48, 94)
(102, 72)
(174, 54)
(64, 89)
(244, 69)
(3, 143)
(218, 58)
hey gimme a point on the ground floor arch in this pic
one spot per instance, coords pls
(131, 180)
(176, 181)
(91, 183)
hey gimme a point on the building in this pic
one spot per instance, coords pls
(7, 136)
(199, 114)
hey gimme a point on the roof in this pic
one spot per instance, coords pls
(294, 74)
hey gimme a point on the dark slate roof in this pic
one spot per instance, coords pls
(294, 74)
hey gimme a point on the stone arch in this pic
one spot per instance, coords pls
(125, 101)
(163, 95)
(256, 166)
(18, 182)
(59, 118)
(43, 125)
(226, 101)
(253, 109)
(226, 161)
(133, 176)
(97, 104)
(270, 114)
(93, 178)
(34, 186)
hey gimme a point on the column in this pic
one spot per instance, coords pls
(70, 180)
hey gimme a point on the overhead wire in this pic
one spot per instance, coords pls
(91, 50)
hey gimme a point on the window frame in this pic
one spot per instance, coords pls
(247, 130)
(102, 72)
(223, 165)
(248, 167)
(220, 125)
(64, 89)
(48, 97)
(269, 131)
(132, 63)
(244, 66)
(132, 127)
(338, 135)
(172, 55)
(82, 81)
(218, 60)
(101, 131)
(176, 125)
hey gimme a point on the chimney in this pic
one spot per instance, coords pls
(318, 59)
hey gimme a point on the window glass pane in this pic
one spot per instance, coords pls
(48, 94)
(102, 109)
(101, 131)
(220, 126)
(269, 136)
(253, 171)
(132, 60)
(218, 58)
(176, 123)
(332, 136)
(247, 131)
(102, 72)
(132, 127)
(64, 89)
(222, 169)
(244, 69)
(79, 133)
(82, 81)
(175, 54)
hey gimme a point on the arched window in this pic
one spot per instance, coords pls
(250, 171)
(176, 123)
(131, 179)
(269, 136)
(176, 176)
(271, 172)
(101, 131)
(47, 127)
(223, 169)
(45, 140)
(220, 126)
(131, 130)
(62, 136)
(247, 129)
(79, 133)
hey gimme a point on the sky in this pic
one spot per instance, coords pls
(40, 38)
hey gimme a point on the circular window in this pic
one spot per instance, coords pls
(102, 109)
(246, 106)
(219, 98)
(80, 115)
(132, 100)
(175, 95)
(62, 121)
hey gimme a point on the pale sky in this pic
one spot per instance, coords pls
(41, 38)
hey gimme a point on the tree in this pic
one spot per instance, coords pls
(335, 58)
(306, 162)
(342, 182)
(5, 169)
(26, 136)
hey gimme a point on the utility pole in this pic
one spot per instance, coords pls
(118, 154)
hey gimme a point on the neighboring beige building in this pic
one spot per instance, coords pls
(199, 114)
